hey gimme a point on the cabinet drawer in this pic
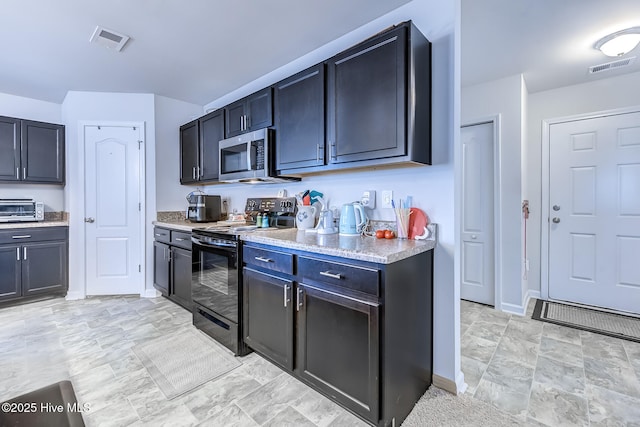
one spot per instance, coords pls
(22, 235)
(352, 277)
(181, 239)
(162, 235)
(271, 260)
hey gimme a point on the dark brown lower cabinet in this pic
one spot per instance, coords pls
(33, 263)
(268, 316)
(338, 347)
(172, 266)
(358, 332)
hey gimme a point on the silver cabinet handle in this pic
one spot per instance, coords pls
(18, 254)
(23, 236)
(17, 173)
(89, 220)
(556, 220)
(286, 295)
(180, 239)
(332, 275)
(199, 173)
(259, 258)
(158, 234)
(24, 253)
(24, 173)
(247, 122)
(193, 173)
(299, 299)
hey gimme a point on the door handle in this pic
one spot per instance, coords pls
(299, 299)
(556, 208)
(556, 220)
(24, 253)
(89, 220)
(18, 254)
(473, 236)
(286, 295)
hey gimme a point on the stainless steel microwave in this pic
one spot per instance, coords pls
(21, 210)
(249, 158)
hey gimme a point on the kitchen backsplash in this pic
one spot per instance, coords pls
(169, 216)
(56, 216)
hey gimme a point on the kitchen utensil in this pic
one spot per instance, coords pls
(306, 217)
(418, 223)
(352, 219)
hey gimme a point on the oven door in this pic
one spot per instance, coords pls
(214, 283)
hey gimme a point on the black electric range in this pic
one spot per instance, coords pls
(216, 285)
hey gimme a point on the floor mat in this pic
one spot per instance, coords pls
(599, 322)
(181, 362)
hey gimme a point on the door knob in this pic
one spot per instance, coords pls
(473, 236)
(556, 220)
(556, 207)
(89, 220)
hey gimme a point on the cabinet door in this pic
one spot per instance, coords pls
(235, 118)
(161, 267)
(9, 149)
(44, 267)
(211, 132)
(268, 316)
(338, 348)
(10, 272)
(259, 110)
(189, 152)
(181, 277)
(299, 111)
(42, 153)
(366, 100)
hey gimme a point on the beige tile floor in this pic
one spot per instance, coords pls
(548, 374)
(541, 373)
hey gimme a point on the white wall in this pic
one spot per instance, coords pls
(33, 109)
(600, 95)
(504, 97)
(100, 107)
(432, 187)
(169, 115)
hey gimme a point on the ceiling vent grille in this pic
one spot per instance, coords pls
(109, 38)
(611, 65)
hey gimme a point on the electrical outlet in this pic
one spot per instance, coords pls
(368, 199)
(387, 197)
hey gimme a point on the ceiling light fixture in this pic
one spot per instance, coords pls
(620, 42)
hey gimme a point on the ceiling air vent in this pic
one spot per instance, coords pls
(611, 65)
(109, 38)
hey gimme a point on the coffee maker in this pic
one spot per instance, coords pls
(204, 208)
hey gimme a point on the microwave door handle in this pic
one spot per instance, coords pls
(249, 155)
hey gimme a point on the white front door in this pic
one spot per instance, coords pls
(477, 257)
(112, 210)
(594, 212)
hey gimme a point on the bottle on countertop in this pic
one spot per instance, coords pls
(265, 220)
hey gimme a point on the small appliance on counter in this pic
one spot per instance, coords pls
(21, 210)
(280, 212)
(203, 207)
(352, 219)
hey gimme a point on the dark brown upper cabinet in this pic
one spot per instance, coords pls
(299, 119)
(379, 100)
(199, 148)
(250, 113)
(31, 151)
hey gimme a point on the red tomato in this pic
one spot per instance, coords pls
(388, 234)
(380, 234)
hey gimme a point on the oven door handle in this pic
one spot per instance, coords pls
(219, 244)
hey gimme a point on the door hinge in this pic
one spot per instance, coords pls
(139, 144)
(139, 207)
(139, 268)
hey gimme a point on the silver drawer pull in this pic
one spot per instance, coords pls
(332, 275)
(159, 235)
(179, 239)
(259, 258)
(25, 236)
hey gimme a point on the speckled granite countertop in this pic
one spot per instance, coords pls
(13, 225)
(369, 249)
(383, 251)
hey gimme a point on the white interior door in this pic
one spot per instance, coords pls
(594, 212)
(112, 210)
(478, 266)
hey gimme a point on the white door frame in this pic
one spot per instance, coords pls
(79, 196)
(546, 170)
(496, 120)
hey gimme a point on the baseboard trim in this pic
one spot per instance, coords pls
(150, 293)
(72, 296)
(453, 387)
(520, 310)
